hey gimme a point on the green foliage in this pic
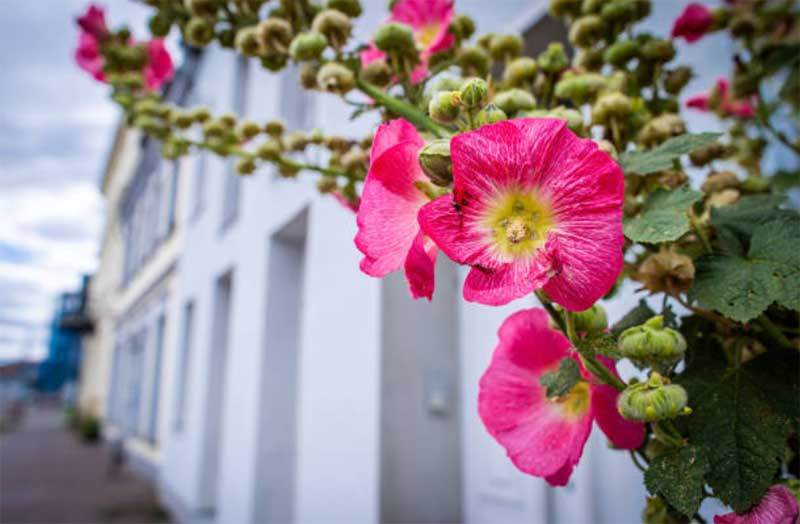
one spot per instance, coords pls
(599, 343)
(748, 213)
(664, 217)
(662, 157)
(742, 287)
(677, 476)
(561, 382)
(741, 420)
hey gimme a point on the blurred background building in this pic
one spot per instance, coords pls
(257, 375)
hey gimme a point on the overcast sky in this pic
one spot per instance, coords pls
(56, 126)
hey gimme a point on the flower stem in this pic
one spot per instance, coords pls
(773, 332)
(407, 111)
(596, 368)
(548, 306)
(698, 228)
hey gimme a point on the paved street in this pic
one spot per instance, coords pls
(48, 476)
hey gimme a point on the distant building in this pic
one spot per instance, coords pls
(258, 376)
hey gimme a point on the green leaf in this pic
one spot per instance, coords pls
(742, 288)
(738, 423)
(661, 158)
(748, 213)
(636, 316)
(599, 343)
(677, 476)
(561, 382)
(664, 217)
(784, 180)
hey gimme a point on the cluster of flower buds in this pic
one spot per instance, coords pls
(653, 400)
(651, 343)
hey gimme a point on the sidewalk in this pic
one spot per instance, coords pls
(47, 475)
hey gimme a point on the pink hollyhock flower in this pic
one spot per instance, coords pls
(533, 206)
(777, 506)
(388, 232)
(693, 23)
(159, 68)
(429, 19)
(721, 97)
(93, 22)
(88, 56)
(545, 437)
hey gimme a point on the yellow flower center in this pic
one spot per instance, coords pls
(574, 404)
(519, 223)
(424, 36)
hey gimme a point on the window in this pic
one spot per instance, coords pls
(155, 384)
(296, 104)
(232, 182)
(199, 183)
(184, 364)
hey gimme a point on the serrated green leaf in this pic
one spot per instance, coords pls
(636, 316)
(561, 381)
(664, 217)
(738, 423)
(748, 213)
(677, 476)
(661, 158)
(742, 288)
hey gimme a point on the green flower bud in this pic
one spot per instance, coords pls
(354, 161)
(462, 27)
(591, 320)
(660, 129)
(676, 79)
(307, 46)
(643, 8)
(337, 143)
(228, 121)
(573, 117)
(668, 272)
(514, 100)
(333, 77)
(553, 59)
(592, 7)
(308, 76)
(274, 128)
(586, 31)
(249, 129)
(377, 73)
(200, 114)
(275, 35)
(743, 25)
(473, 61)
(653, 400)
(248, 42)
(490, 114)
(226, 38)
(269, 150)
(159, 24)
(564, 8)
(474, 93)
(611, 106)
(520, 71)
(351, 8)
(580, 89)
(505, 47)
(644, 72)
(755, 184)
(296, 141)
(658, 50)
(589, 59)
(181, 120)
(620, 53)
(745, 85)
(619, 11)
(206, 8)
(434, 158)
(485, 40)
(443, 108)
(652, 342)
(174, 148)
(703, 156)
(274, 62)
(327, 184)
(245, 166)
(213, 129)
(317, 136)
(335, 25)
(395, 38)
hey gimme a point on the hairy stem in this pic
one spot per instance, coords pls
(407, 111)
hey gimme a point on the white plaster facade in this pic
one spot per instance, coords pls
(295, 388)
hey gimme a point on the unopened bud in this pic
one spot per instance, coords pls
(274, 128)
(490, 114)
(207, 8)
(335, 25)
(652, 342)
(652, 401)
(159, 24)
(246, 166)
(335, 78)
(395, 38)
(606, 147)
(565, 8)
(248, 42)
(554, 58)
(474, 93)
(620, 53)
(200, 114)
(377, 73)
(462, 27)
(248, 129)
(442, 107)
(589, 59)
(677, 79)
(514, 100)
(351, 8)
(586, 31)
(473, 61)
(591, 320)
(308, 76)
(520, 71)
(661, 128)
(505, 47)
(181, 120)
(618, 12)
(592, 7)
(228, 120)
(307, 46)
(658, 50)
(666, 272)
(434, 158)
(354, 161)
(743, 25)
(337, 143)
(327, 184)
(269, 150)
(275, 35)
(581, 88)
(213, 129)
(611, 106)
(719, 180)
(296, 141)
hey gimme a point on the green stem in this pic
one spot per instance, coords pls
(548, 306)
(293, 164)
(698, 228)
(774, 332)
(664, 436)
(407, 111)
(596, 368)
(635, 460)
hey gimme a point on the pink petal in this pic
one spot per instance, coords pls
(391, 134)
(93, 22)
(88, 56)
(537, 436)
(419, 267)
(159, 68)
(693, 22)
(699, 102)
(419, 13)
(442, 221)
(624, 434)
(777, 506)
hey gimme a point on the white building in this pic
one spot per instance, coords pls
(261, 377)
